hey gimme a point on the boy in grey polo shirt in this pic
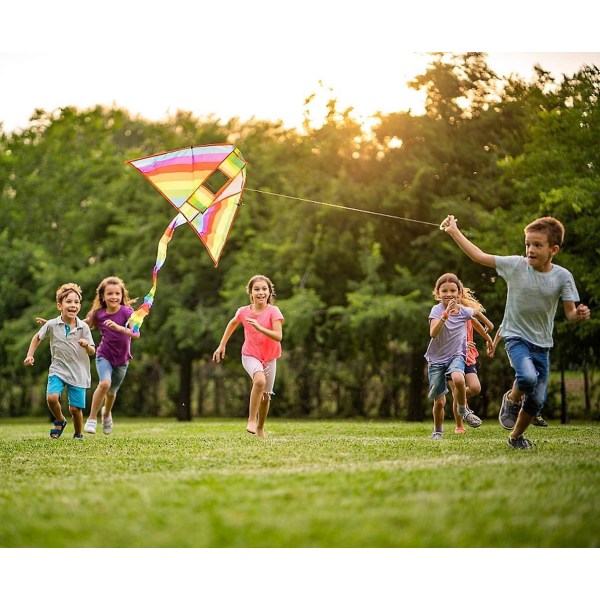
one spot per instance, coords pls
(71, 345)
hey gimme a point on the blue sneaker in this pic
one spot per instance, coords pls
(509, 411)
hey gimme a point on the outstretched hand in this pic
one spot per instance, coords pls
(449, 223)
(40, 320)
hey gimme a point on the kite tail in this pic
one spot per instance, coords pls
(137, 318)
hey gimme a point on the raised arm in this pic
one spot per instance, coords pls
(449, 225)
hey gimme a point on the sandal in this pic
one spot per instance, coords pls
(56, 432)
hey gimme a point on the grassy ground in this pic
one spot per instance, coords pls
(209, 484)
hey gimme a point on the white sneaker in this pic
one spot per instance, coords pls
(90, 426)
(107, 424)
(472, 419)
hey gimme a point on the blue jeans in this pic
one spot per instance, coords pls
(437, 373)
(532, 370)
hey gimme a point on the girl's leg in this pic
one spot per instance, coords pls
(457, 417)
(99, 398)
(77, 415)
(109, 402)
(458, 379)
(473, 384)
(256, 394)
(263, 411)
(438, 413)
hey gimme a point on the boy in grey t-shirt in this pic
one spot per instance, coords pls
(71, 345)
(534, 288)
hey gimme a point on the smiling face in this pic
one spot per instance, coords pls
(448, 291)
(113, 295)
(538, 251)
(69, 307)
(260, 292)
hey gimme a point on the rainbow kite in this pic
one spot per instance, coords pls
(205, 184)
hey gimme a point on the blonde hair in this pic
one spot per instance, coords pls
(254, 279)
(65, 289)
(100, 302)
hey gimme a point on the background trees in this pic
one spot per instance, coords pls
(355, 289)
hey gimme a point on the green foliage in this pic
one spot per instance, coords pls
(355, 289)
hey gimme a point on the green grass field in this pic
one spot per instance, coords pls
(328, 484)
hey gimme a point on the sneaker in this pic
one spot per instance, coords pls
(90, 426)
(472, 420)
(520, 443)
(509, 411)
(460, 429)
(78, 436)
(107, 424)
(437, 435)
(539, 421)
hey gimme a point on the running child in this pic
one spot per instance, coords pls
(71, 345)
(447, 350)
(262, 322)
(109, 313)
(471, 378)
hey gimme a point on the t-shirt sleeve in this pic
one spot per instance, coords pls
(43, 332)
(277, 316)
(87, 334)
(239, 315)
(436, 312)
(505, 265)
(569, 291)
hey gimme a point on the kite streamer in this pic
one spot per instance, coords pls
(205, 185)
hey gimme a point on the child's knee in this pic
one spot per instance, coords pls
(440, 401)
(75, 411)
(104, 384)
(52, 399)
(526, 383)
(259, 380)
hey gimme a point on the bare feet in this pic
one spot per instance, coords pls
(260, 432)
(251, 427)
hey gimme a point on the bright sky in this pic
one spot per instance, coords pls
(248, 59)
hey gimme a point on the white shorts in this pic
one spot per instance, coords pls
(253, 365)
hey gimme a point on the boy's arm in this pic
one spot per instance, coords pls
(35, 342)
(581, 313)
(469, 248)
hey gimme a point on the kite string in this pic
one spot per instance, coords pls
(369, 212)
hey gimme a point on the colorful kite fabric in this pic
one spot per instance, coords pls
(205, 184)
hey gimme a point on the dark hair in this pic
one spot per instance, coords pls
(553, 228)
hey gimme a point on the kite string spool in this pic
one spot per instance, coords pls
(360, 210)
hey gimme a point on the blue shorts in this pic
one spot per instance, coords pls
(75, 394)
(436, 372)
(106, 372)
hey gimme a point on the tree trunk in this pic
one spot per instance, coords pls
(184, 408)
(416, 387)
(564, 416)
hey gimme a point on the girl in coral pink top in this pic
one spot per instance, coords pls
(262, 322)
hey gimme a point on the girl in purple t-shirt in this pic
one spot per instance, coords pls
(110, 312)
(262, 324)
(447, 350)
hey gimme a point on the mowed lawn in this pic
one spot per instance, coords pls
(329, 484)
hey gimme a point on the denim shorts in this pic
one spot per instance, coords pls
(75, 394)
(253, 365)
(436, 372)
(531, 364)
(106, 372)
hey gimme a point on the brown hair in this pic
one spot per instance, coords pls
(271, 298)
(99, 301)
(553, 228)
(447, 278)
(65, 289)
